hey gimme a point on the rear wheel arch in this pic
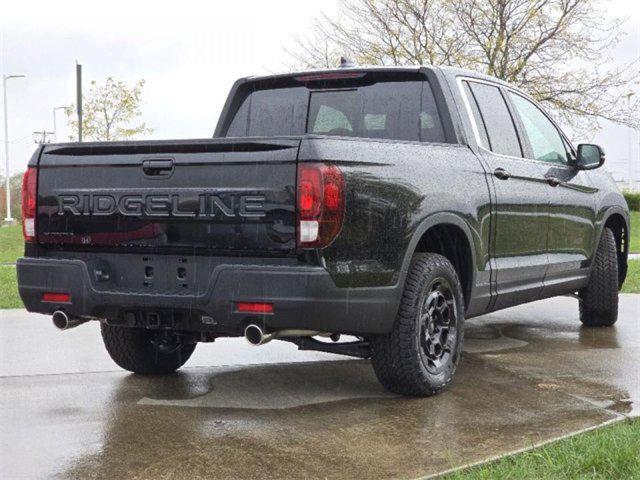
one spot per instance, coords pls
(449, 236)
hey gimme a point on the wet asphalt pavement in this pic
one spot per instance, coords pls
(529, 374)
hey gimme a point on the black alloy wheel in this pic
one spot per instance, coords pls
(438, 325)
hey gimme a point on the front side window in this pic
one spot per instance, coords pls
(546, 142)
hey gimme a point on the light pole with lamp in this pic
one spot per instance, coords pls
(8, 219)
(55, 128)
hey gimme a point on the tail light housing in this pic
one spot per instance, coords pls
(29, 187)
(320, 205)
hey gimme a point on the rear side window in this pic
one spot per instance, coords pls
(477, 117)
(496, 120)
(402, 110)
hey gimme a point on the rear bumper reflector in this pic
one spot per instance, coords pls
(253, 307)
(56, 297)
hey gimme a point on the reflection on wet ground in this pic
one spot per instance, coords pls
(529, 374)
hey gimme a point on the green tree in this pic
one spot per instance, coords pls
(109, 111)
(556, 50)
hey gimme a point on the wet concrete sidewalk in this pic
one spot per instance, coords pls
(529, 374)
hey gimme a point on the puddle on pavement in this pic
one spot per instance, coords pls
(480, 338)
(291, 386)
(288, 386)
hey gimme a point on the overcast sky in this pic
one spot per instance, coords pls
(188, 52)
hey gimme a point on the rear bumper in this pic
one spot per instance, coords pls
(302, 297)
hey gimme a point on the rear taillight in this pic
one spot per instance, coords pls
(29, 185)
(320, 204)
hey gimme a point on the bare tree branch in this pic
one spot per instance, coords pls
(556, 50)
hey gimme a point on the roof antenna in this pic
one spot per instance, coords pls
(346, 62)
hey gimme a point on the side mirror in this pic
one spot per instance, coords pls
(589, 156)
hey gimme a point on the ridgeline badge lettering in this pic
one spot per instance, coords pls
(163, 205)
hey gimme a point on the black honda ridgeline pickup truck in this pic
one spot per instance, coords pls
(386, 204)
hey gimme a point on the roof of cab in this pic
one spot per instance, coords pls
(449, 71)
(464, 72)
(355, 68)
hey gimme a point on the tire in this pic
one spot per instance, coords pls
(139, 350)
(599, 299)
(406, 359)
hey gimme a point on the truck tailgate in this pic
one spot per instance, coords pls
(221, 195)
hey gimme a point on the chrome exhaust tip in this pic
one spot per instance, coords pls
(62, 321)
(255, 335)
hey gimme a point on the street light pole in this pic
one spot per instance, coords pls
(629, 146)
(79, 98)
(55, 128)
(8, 218)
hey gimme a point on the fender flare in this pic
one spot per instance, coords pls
(608, 212)
(441, 218)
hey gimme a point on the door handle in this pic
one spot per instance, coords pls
(553, 181)
(502, 174)
(157, 168)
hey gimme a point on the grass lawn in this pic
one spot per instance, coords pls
(635, 232)
(606, 453)
(11, 247)
(632, 283)
(11, 243)
(9, 297)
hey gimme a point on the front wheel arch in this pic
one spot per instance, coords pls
(617, 222)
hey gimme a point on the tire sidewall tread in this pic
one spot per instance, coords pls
(396, 356)
(599, 299)
(132, 350)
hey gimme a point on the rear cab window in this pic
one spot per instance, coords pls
(393, 109)
(272, 112)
